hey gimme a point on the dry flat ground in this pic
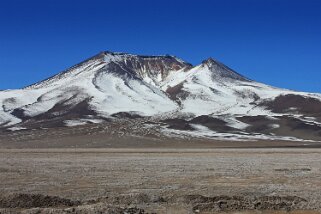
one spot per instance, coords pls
(160, 180)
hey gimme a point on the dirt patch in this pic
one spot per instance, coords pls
(120, 210)
(137, 204)
(227, 203)
(38, 200)
(293, 170)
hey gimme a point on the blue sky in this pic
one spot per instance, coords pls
(277, 42)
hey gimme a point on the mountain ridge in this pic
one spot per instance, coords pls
(165, 86)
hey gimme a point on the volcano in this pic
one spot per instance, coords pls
(163, 93)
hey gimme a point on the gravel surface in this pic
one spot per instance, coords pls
(160, 180)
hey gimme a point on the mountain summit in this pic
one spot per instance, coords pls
(110, 86)
(222, 70)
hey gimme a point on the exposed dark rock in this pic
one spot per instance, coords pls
(258, 124)
(294, 103)
(179, 124)
(174, 91)
(152, 66)
(214, 124)
(130, 115)
(20, 113)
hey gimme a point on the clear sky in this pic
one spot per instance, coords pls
(277, 42)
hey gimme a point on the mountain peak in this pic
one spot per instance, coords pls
(220, 70)
(214, 64)
(210, 60)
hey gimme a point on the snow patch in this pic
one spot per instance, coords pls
(79, 122)
(16, 128)
(274, 126)
(234, 123)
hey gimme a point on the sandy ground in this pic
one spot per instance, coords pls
(164, 180)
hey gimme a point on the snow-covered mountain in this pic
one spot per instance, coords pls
(209, 97)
